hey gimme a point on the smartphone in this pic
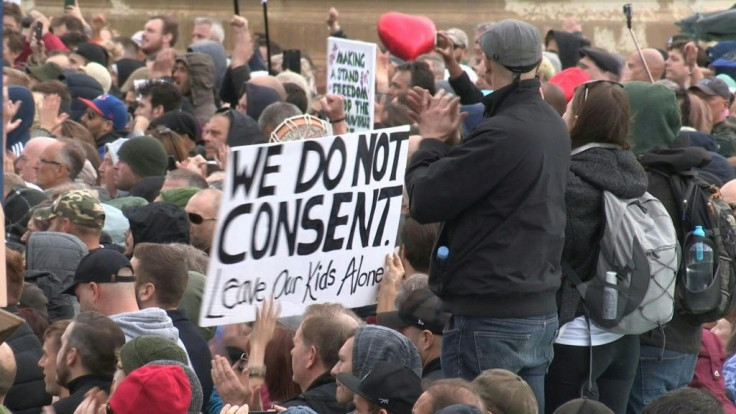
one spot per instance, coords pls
(68, 3)
(39, 32)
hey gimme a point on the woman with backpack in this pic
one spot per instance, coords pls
(590, 361)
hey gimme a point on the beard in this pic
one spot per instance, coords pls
(63, 373)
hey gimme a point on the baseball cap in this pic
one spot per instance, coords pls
(46, 72)
(391, 386)
(79, 206)
(512, 43)
(111, 108)
(102, 266)
(713, 87)
(421, 308)
(605, 61)
(458, 37)
(509, 392)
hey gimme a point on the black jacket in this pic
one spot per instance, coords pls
(500, 194)
(320, 396)
(28, 394)
(680, 334)
(233, 83)
(197, 349)
(77, 390)
(591, 172)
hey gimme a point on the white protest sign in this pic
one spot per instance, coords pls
(305, 222)
(351, 72)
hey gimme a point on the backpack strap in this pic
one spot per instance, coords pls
(588, 390)
(573, 275)
(586, 147)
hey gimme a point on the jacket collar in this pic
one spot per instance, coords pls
(513, 93)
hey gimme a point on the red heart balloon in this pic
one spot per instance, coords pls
(406, 36)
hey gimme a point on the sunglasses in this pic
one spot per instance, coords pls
(195, 218)
(92, 115)
(589, 85)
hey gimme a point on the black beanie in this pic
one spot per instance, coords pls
(145, 155)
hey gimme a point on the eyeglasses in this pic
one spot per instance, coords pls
(195, 218)
(45, 161)
(589, 85)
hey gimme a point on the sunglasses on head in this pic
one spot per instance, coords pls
(589, 85)
(195, 218)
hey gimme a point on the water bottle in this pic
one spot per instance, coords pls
(699, 271)
(610, 298)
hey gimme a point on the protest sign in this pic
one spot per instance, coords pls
(305, 222)
(351, 72)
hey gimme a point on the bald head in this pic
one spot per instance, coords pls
(32, 150)
(728, 192)
(8, 369)
(270, 82)
(635, 70)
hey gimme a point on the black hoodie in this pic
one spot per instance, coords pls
(679, 334)
(568, 46)
(243, 130)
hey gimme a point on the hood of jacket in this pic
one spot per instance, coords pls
(671, 160)
(81, 86)
(149, 321)
(18, 137)
(125, 67)
(615, 171)
(568, 46)
(55, 253)
(656, 115)
(217, 52)
(259, 97)
(201, 84)
(243, 130)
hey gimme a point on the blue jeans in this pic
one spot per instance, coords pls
(520, 345)
(659, 372)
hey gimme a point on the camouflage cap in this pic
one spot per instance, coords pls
(79, 206)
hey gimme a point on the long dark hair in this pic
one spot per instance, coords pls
(600, 113)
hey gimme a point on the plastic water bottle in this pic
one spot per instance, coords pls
(610, 298)
(699, 271)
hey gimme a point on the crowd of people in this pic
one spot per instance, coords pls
(116, 148)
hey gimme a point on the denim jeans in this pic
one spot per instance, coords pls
(659, 372)
(521, 345)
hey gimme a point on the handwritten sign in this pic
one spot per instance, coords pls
(351, 73)
(305, 222)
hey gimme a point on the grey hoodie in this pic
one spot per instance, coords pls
(218, 55)
(51, 260)
(202, 90)
(377, 343)
(149, 321)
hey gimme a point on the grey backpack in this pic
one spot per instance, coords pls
(640, 245)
